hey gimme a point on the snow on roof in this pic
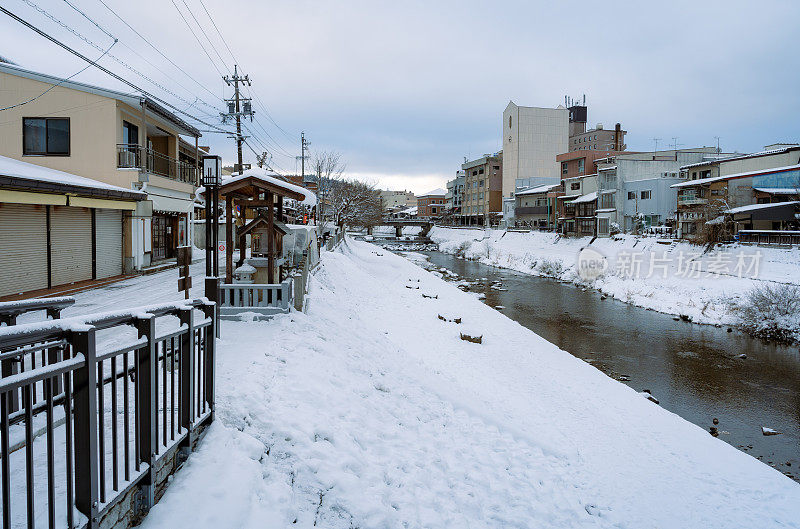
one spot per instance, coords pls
(610, 167)
(731, 157)
(37, 173)
(539, 189)
(436, 192)
(567, 197)
(273, 178)
(778, 190)
(737, 175)
(754, 207)
(588, 197)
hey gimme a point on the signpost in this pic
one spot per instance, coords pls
(184, 278)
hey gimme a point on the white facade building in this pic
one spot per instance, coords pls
(532, 138)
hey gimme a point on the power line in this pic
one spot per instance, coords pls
(218, 31)
(189, 9)
(61, 81)
(101, 28)
(197, 39)
(104, 69)
(184, 72)
(97, 47)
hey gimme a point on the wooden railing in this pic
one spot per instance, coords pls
(262, 299)
(770, 237)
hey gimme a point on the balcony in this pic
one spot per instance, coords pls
(129, 156)
(530, 210)
(691, 200)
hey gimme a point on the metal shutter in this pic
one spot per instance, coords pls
(23, 248)
(108, 227)
(71, 244)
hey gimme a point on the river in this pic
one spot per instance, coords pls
(695, 371)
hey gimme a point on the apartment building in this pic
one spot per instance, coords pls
(765, 177)
(537, 207)
(431, 204)
(483, 189)
(392, 201)
(634, 188)
(455, 194)
(577, 207)
(126, 140)
(532, 138)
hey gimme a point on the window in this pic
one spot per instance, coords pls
(474, 173)
(509, 121)
(45, 136)
(631, 195)
(581, 165)
(496, 167)
(480, 171)
(480, 183)
(564, 167)
(602, 225)
(574, 186)
(130, 133)
(646, 195)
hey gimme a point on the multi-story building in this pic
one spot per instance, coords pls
(634, 188)
(532, 138)
(577, 207)
(483, 189)
(711, 188)
(537, 207)
(431, 204)
(126, 140)
(392, 201)
(455, 194)
(596, 139)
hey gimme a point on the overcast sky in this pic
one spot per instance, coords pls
(405, 90)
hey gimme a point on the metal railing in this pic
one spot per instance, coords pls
(129, 156)
(769, 237)
(263, 299)
(106, 404)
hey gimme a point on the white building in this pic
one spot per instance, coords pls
(532, 138)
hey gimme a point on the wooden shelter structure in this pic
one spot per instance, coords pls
(257, 190)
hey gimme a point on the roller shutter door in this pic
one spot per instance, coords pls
(71, 244)
(23, 248)
(108, 226)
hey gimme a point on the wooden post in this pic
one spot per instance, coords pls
(280, 208)
(197, 180)
(143, 150)
(228, 238)
(270, 236)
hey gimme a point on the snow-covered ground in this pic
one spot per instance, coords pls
(370, 411)
(670, 276)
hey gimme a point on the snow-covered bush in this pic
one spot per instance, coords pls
(462, 248)
(770, 311)
(550, 267)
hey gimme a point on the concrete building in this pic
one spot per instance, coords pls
(596, 139)
(532, 138)
(126, 140)
(634, 189)
(431, 204)
(483, 181)
(577, 207)
(455, 194)
(392, 201)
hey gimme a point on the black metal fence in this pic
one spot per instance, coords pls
(94, 404)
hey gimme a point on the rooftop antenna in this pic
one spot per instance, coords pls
(584, 100)
(655, 146)
(717, 138)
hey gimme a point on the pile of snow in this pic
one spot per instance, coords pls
(675, 278)
(370, 411)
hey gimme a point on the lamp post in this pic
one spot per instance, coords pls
(212, 167)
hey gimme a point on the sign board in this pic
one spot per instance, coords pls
(185, 283)
(184, 256)
(222, 247)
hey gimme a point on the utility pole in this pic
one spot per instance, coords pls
(238, 107)
(303, 149)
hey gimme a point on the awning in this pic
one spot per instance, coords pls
(171, 204)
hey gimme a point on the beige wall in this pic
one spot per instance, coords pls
(95, 129)
(92, 121)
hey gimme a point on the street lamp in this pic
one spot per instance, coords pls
(212, 168)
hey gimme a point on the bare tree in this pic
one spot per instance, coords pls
(328, 168)
(355, 203)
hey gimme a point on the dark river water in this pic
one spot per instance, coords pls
(693, 370)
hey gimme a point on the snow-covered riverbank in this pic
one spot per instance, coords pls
(676, 278)
(370, 411)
